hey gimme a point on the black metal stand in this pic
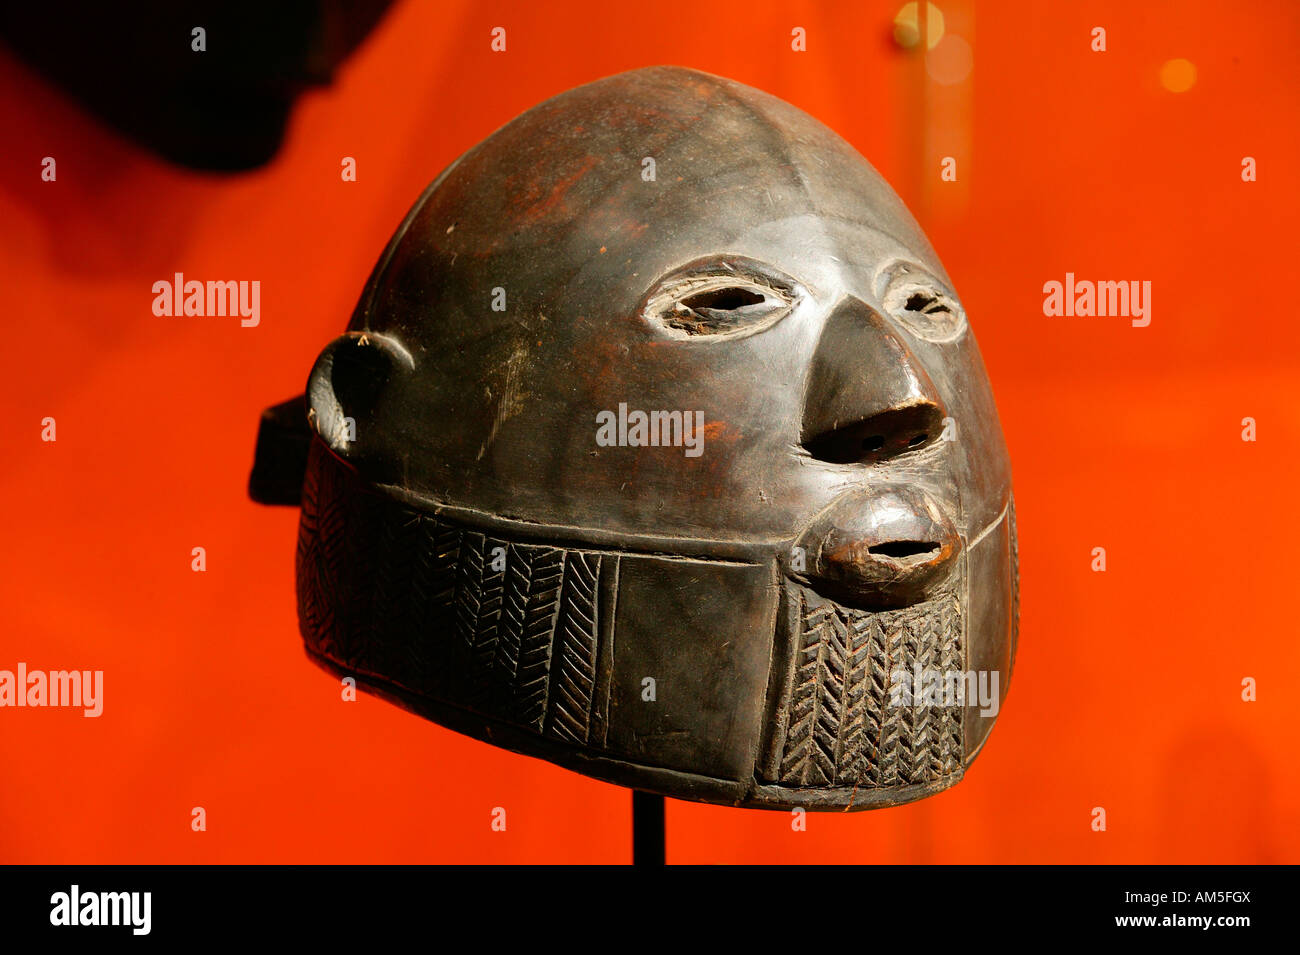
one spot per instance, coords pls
(647, 829)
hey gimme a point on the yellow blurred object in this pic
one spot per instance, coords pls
(1178, 76)
(907, 26)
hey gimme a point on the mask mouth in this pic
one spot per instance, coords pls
(877, 548)
(903, 550)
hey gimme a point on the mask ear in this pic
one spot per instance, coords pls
(345, 383)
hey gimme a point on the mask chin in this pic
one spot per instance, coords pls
(850, 713)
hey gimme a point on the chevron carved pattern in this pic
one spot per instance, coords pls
(816, 703)
(848, 722)
(506, 628)
(573, 679)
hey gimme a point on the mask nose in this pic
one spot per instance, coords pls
(867, 397)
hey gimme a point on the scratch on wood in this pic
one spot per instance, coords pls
(510, 402)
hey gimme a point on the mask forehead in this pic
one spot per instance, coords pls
(539, 200)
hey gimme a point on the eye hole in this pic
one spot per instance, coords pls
(721, 311)
(723, 299)
(919, 303)
(727, 298)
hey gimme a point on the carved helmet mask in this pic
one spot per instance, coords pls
(659, 447)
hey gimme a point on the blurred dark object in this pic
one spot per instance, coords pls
(280, 462)
(224, 108)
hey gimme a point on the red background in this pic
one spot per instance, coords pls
(1127, 692)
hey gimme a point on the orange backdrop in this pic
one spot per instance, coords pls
(1127, 692)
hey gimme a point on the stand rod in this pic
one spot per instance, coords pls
(647, 829)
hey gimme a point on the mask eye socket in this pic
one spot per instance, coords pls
(921, 304)
(725, 299)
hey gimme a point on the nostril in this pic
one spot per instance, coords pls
(902, 549)
(877, 437)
